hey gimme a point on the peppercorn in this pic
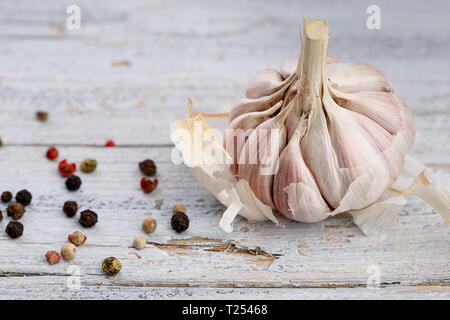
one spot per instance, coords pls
(73, 183)
(42, 115)
(70, 208)
(77, 238)
(66, 169)
(14, 229)
(149, 225)
(111, 266)
(52, 257)
(24, 197)
(15, 210)
(1, 216)
(148, 185)
(52, 153)
(1, 143)
(88, 165)
(110, 143)
(6, 196)
(88, 218)
(139, 242)
(68, 251)
(148, 167)
(179, 207)
(179, 222)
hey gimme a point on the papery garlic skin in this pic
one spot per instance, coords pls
(347, 132)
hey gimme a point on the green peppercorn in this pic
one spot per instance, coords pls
(111, 266)
(88, 165)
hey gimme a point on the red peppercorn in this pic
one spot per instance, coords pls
(52, 257)
(52, 153)
(110, 143)
(148, 185)
(66, 169)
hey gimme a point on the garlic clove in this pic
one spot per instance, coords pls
(296, 194)
(250, 105)
(240, 129)
(264, 83)
(357, 76)
(385, 108)
(259, 159)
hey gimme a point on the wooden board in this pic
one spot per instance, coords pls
(126, 75)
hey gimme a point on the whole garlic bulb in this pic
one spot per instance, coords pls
(342, 133)
(316, 139)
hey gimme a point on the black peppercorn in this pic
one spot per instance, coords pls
(88, 218)
(24, 197)
(1, 216)
(73, 183)
(14, 229)
(70, 208)
(15, 210)
(148, 167)
(179, 222)
(6, 196)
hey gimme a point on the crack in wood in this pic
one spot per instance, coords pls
(438, 283)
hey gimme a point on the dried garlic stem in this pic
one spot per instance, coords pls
(315, 38)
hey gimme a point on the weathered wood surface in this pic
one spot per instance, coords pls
(207, 52)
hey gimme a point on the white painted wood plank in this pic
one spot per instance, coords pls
(207, 52)
(416, 254)
(53, 287)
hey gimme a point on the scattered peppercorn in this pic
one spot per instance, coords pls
(149, 225)
(14, 229)
(179, 207)
(70, 208)
(110, 143)
(42, 115)
(66, 169)
(68, 251)
(1, 143)
(88, 165)
(15, 210)
(1, 216)
(111, 266)
(52, 257)
(148, 185)
(88, 218)
(179, 222)
(148, 167)
(77, 238)
(73, 183)
(6, 196)
(52, 153)
(24, 197)
(139, 242)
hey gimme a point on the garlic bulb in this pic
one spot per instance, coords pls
(316, 139)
